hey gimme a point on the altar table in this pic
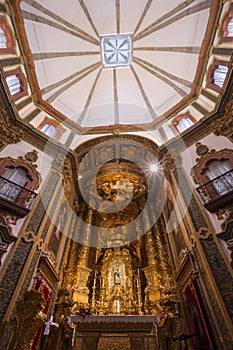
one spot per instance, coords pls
(125, 332)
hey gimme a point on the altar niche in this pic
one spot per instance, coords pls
(119, 287)
(117, 276)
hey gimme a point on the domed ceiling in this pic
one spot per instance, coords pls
(115, 62)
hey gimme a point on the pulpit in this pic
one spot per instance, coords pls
(128, 332)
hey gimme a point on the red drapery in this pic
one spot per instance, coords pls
(196, 315)
(42, 285)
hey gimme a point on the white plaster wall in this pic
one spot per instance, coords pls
(189, 160)
(43, 163)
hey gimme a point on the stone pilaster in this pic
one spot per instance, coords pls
(10, 280)
(25, 256)
(209, 259)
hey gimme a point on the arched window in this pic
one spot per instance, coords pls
(49, 130)
(17, 179)
(217, 75)
(2, 39)
(7, 44)
(52, 128)
(214, 175)
(220, 74)
(230, 28)
(219, 172)
(182, 122)
(226, 31)
(13, 84)
(16, 82)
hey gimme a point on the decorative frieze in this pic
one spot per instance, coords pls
(224, 124)
(9, 132)
(170, 161)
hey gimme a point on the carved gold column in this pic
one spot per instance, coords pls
(82, 271)
(162, 254)
(139, 292)
(103, 286)
(151, 271)
(68, 271)
(170, 161)
(93, 299)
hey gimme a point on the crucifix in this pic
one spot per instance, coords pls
(48, 324)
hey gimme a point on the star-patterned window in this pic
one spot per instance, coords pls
(116, 50)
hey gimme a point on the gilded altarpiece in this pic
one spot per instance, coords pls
(119, 285)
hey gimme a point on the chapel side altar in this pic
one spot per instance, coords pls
(128, 332)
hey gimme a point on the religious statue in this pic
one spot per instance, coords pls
(117, 276)
(27, 319)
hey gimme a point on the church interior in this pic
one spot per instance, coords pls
(116, 175)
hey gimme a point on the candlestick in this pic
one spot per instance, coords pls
(94, 279)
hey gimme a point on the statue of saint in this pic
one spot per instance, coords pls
(117, 276)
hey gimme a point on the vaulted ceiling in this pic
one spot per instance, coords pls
(64, 39)
(163, 49)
